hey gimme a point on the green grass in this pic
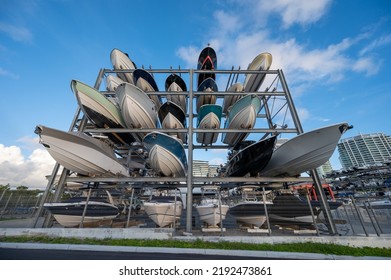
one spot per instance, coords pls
(307, 247)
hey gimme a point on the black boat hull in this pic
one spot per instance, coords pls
(251, 159)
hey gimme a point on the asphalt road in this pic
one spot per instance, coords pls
(53, 254)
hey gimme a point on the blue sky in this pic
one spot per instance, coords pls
(335, 56)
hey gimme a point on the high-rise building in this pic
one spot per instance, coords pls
(325, 169)
(364, 150)
(200, 168)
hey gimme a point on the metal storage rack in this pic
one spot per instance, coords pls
(276, 101)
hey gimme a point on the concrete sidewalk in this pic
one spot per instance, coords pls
(12, 228)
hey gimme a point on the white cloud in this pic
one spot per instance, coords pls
(217, 161)
(9, 74)
(302, 64)
(366, 65)
(189, 55)
(16, 169)
(17, 33)
(226, 22)
(377, 43)
(295, 11)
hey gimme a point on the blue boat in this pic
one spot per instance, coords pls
(209, 117)
(167, 155)
(242, 115)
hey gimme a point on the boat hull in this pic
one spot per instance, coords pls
(172, 116)
(71, 214)
(175, 83)
(166, 154)
(293, 209)
(164, 213)
(229, 100)
(242, 115)
(249, 212)
(211, 214)
(147, 83)
(121, 61)
(81, 153)
(102, 112)
(253, 82)
(251, 159)
(207, 86)
(138, 110)
(305, 152)
(209, 117)
(112, 82)
(207, 60)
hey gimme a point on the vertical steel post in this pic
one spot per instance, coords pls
(45, 194)
(361, 219)
(6, 205)
(312, 212)
(371, 219)
(130, 208)
(85, 208)
(221, 214)
(189, 197)
(269, 230)
(314, 173)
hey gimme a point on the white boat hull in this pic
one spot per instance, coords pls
(304, 152)
(210, 121)
(146, 87)
(254, 220)
(70, 214)
(171, 122)
(253, 81)
(245, 119)
(180, 100)
(163, 214)
(112, 82)
(81, 154)
(138, 110)
(211, 214)
(167, 163)
(74, 221)
(229, 100)
(121, 61)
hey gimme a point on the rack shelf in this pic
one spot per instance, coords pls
(277, 107)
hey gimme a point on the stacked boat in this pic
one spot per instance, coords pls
(251, 208)
(84, 210)
(81, 153)
(211, 209)
(147, 133)
(164, 207)
(209, 113)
